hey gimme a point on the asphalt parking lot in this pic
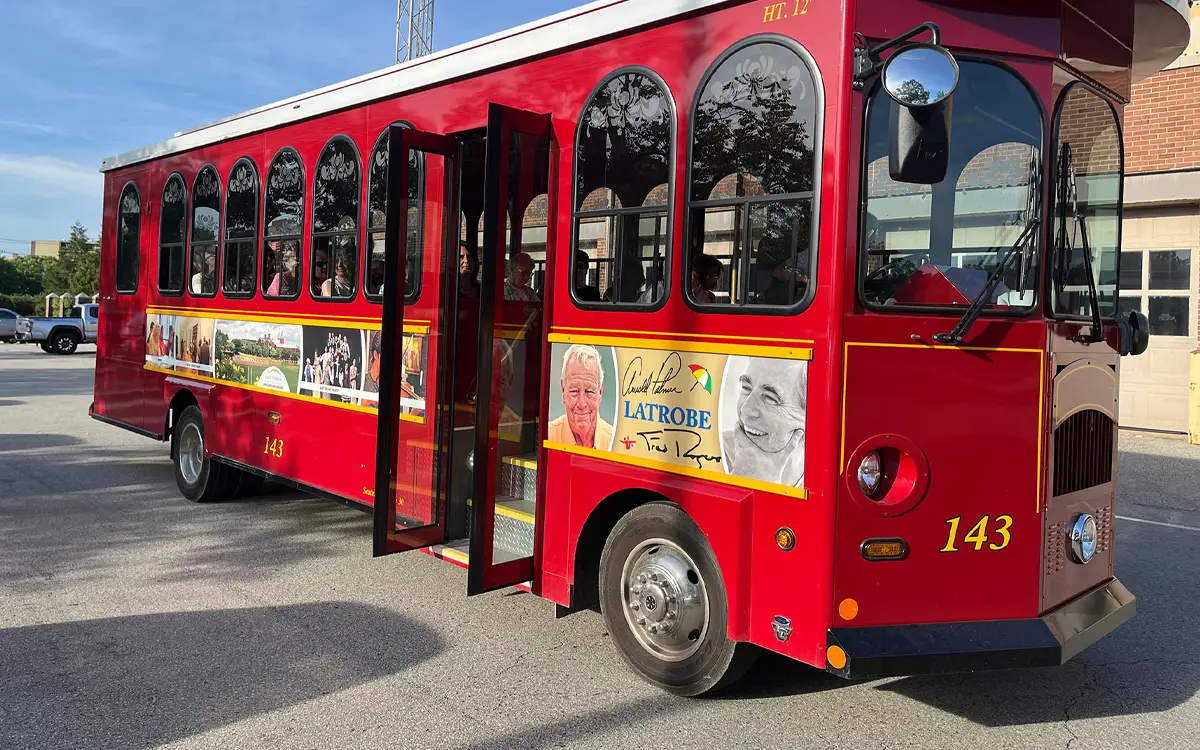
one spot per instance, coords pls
(131, 618)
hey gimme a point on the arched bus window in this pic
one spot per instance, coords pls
(129, 226)
(1089, 151)
(336, 190)
(623, 156)
(755, 157)
(206, 232)
(283, 226)
(377, 221)
(172, 228)
(241, 230)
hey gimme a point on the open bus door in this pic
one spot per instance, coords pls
(510, 359)
(410, 474)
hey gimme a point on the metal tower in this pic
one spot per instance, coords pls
(414, 29)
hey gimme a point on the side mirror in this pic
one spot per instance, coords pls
(920, 79)
(1135, 334)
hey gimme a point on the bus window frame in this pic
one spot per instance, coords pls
(818, 150)
(314, 235)
(187, 193)
(1039, 236)
(624, 212)
(1052, 206)
(191, 244)
(137, 244)
(256, 240)
(368, 228)
(262, 230)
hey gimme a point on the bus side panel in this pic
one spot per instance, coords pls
(723, 514)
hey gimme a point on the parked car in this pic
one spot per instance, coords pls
(61, 335)
(8, 324)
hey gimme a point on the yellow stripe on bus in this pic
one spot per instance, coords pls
(369, 324)
(699, 347)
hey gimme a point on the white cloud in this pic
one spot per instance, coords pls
(30, 127)
(49, 175)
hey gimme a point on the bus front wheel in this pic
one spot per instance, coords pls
(200, 479)
(665, 605)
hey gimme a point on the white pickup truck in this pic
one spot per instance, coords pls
(61, 335)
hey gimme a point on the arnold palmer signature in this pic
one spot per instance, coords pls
(653, 383)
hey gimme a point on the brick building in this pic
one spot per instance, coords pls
(1160, 260)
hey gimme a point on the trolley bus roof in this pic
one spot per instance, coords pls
(1161, 35)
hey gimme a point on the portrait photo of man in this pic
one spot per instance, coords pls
(582, 387)
(764, 403)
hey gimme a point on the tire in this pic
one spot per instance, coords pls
(694, 655)
(63, 342)
(45, 345)
(248, 485)
(200, 479)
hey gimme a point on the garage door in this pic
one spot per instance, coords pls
(1158, 277)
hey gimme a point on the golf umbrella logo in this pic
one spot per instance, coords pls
(703, 379)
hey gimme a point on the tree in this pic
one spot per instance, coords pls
(17, 277)
(81, 261)
(913, 92)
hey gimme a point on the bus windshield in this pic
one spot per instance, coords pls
(934, 246)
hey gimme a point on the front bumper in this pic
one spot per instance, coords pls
(939, 648)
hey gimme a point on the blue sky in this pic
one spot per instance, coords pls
(81, 80)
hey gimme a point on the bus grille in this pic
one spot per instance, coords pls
(1083, 452)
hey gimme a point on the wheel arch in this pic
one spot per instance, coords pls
(585, 592)
(69, 330)
(182, 399)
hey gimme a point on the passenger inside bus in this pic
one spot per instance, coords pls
(516, 286)
(584, 292)
(706, 276)
(204, 280)
(285, 252)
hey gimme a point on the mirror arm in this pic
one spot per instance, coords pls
(866, 59)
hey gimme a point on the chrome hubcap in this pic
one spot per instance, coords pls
(666, 604)
(191, 453)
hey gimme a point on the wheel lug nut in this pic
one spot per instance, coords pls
(641, 621)
(654, 576)
(670, 615)
(635, 606)
(642, 578)
(635, 590)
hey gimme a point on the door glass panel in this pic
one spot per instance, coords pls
(517, 351)
(1131, 270)
(1170, 269)
(1170, 316)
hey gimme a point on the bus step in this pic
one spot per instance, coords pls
(518, 477)
(514, 526)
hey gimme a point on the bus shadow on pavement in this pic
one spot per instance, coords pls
(33, 441)
(146, 680)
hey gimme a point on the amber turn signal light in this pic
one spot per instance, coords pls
(785, 538)
(885, 549)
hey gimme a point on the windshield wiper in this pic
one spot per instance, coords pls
(973, 312)
(1033, 212)
(1065, 246)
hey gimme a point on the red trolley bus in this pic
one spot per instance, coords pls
(756, 325)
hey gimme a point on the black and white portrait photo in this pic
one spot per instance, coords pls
(762, 419)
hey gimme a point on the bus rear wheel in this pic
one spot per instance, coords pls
(200, 479)
(665, 604)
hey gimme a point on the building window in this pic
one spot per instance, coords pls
(206, 232)
(377, 221)
(623, 156)
(336, 190)
(283, 226)
(1161, 284)
(129, 226)
(1089, 153)
(172, 228)
(752, 197)
(241, 230)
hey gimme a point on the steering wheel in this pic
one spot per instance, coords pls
(878, 289)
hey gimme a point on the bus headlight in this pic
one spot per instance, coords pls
(1083, 538)
(869, 473)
